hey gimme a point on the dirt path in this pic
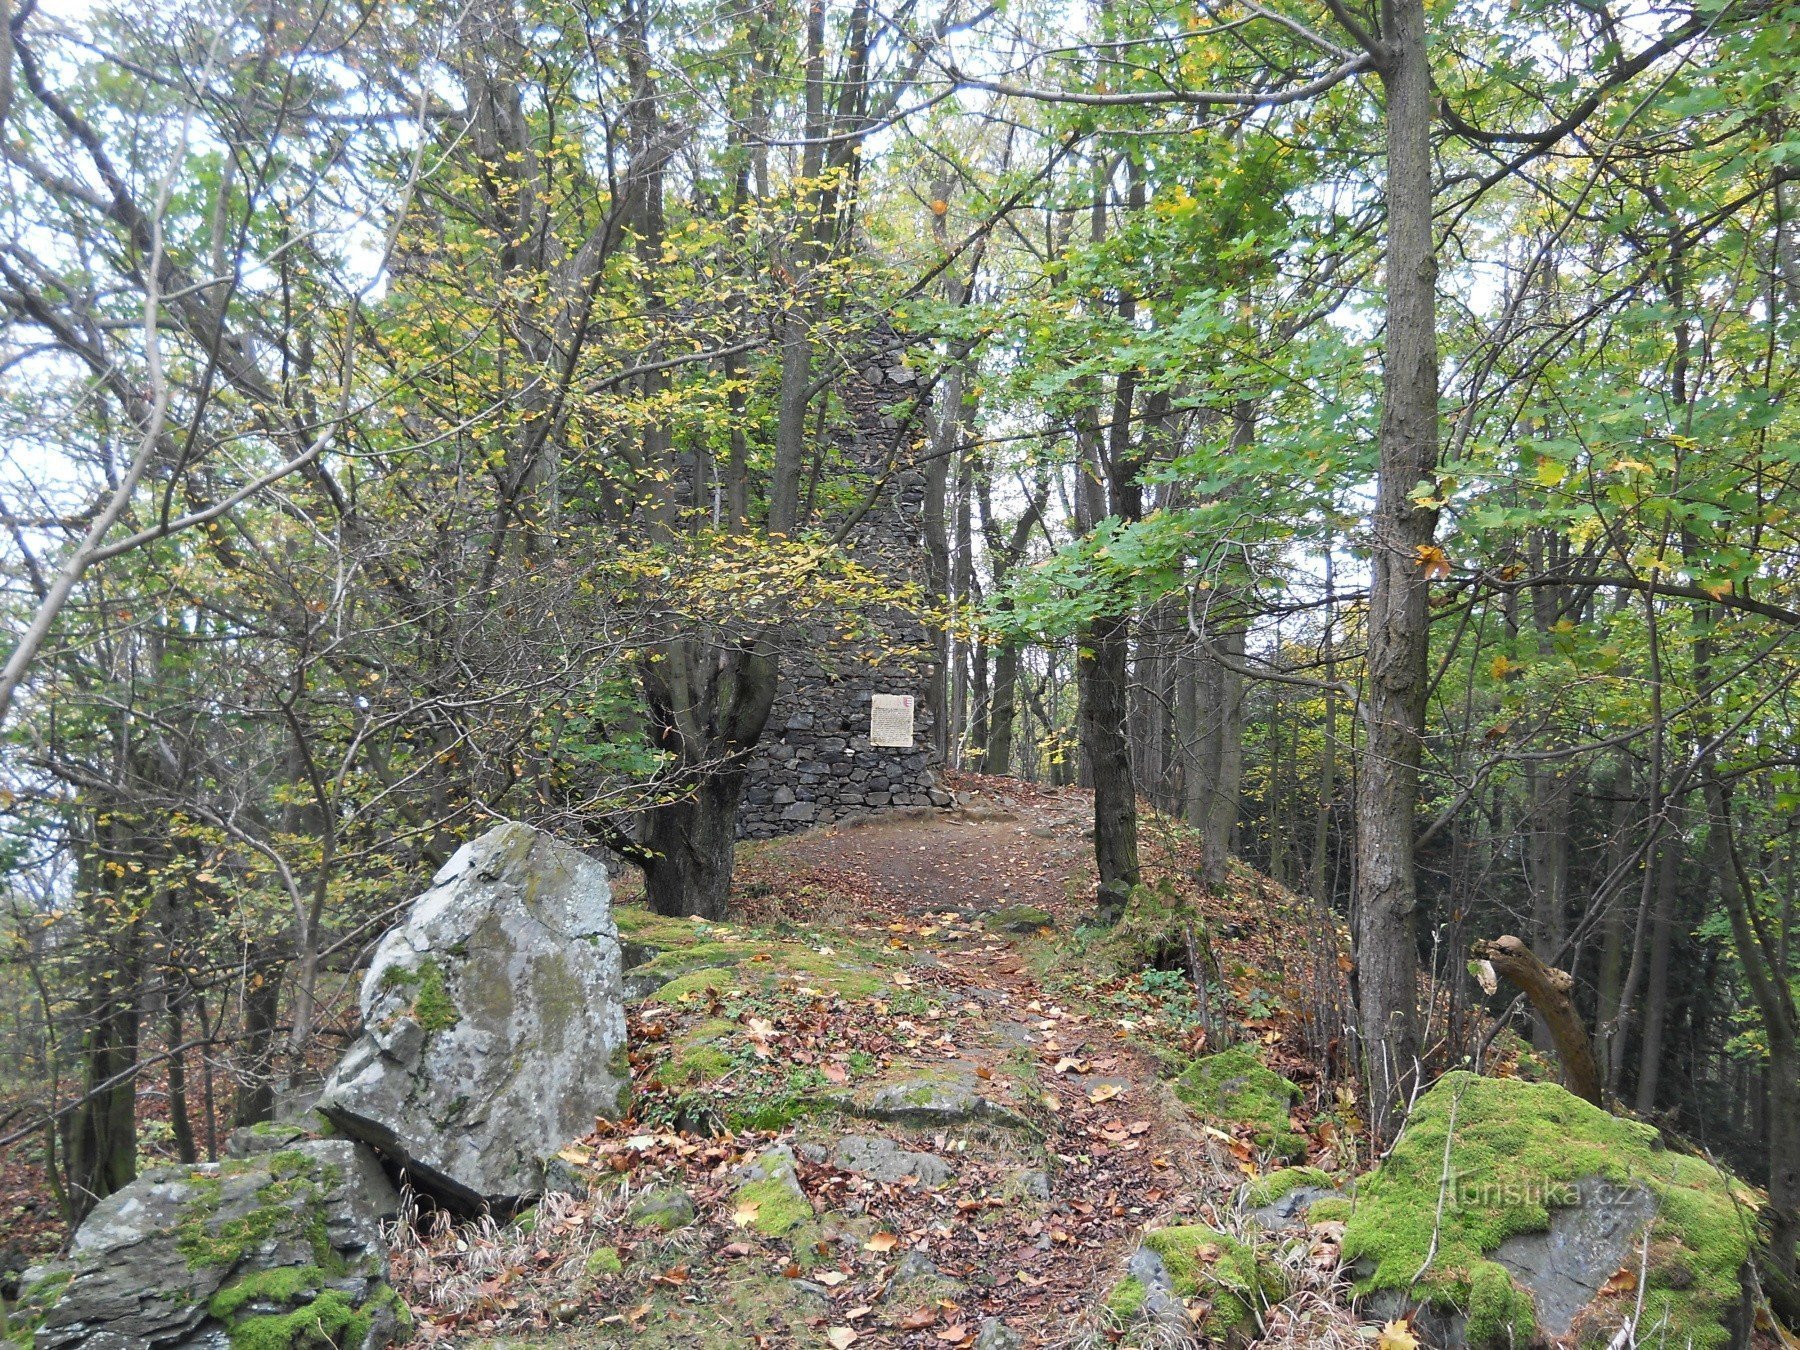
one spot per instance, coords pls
(889, 984)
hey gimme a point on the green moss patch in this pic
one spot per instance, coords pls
(757, 967)
(432, 1007)
(1019, 919)
(636, 923)
(1520, 1149)
(697, 1057)
(1501, 1315)
(1234, 1087)
(328, 1320)
(603, 1261)
(1206, 1264)
(206, 1240)
(1151, 933)
(285, 1284)
(1331, 1209)
(770, 1206)
(1126, 1298)
(1283, 1182)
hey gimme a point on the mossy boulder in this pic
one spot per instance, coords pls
(664, 1208)
(493, 1020)
(768, 1198)
(1234, 1087)
(1198, 1281)
(1557, 1195)
(279, 1249)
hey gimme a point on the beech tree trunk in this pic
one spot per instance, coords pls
(1386, 893)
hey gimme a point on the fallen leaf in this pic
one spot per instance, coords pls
(1104, 1093)
(831, 1279)
(840, 1337)
(1623, 1281)
(881, 1242)
(1397, 1335)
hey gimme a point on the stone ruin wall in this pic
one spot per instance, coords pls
(815, 764)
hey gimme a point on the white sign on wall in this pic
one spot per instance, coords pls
(891, 720)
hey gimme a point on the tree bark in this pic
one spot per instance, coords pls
(1771, 989)
(1551, 993)
(1386, 893)
(708, 707)
(1656, 988)
(1104, 671)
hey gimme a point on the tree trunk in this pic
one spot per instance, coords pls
(1656, 989)
(1005, 702)
(1772, 990)
(708, 707)
(1103, 670)
(179, 1119)
(100, 1146)
(1217, 766)
(1386, 893)
(693, 841)
(255, 1101)
(1550, 792)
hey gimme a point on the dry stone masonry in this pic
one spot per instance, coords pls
(817, 763)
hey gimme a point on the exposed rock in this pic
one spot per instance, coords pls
(1282, 1198)
(993, 1334)
(493, 1022)
(664, 1207)
(885, 1161)
(234, 1252)
(915, 1265)
(948, 1097)
(1587, 1242)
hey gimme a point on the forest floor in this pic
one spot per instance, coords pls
(972, 1087)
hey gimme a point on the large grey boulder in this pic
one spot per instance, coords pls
(252, 1250)
(493, 1022)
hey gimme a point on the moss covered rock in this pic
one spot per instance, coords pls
(1197, 1280)
(1556, 1195)
(276, 1250)
(768, 1198)
(1234, 1087)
